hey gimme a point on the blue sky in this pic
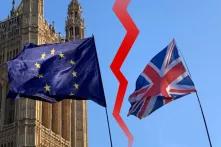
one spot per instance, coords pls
(196, 26)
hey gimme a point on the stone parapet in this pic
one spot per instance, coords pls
(51, 139)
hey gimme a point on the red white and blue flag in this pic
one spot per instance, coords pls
(163, 80)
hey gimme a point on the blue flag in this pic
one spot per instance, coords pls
(57, 71)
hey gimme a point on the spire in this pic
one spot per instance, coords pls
(13, 7)
(73, 4)
(13, 4)
(75, 1)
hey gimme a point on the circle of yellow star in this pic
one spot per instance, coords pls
(71, 94)
(43, 56)
(72, 62)
(40, 76)
(74, 74)
(61, 55)
(37, 65)
(76, 86)
(53, 51)
(47, 88)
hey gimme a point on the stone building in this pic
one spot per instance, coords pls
(30, 123)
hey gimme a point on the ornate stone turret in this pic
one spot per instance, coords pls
(74, 23)
(13, 8)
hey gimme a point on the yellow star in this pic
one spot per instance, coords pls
(61, 55)
(71, 94)
(47, 88)
(37, 65)
(72, 62)
(74, 74)
(43, 56)
(76, 86)
(53, 51)
(40, 76)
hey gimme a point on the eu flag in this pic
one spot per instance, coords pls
(55, 72)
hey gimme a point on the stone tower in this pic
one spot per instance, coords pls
(74, 23)
(75, 30)
(27, 122)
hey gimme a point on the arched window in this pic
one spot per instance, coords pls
(77, 31)
(75, 14)
(9, 110)
(0, 96)
(8, 56)
(1, 57)
(12, 144)
(14, 53)
(71, 31)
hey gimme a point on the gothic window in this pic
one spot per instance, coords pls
(77, 31)
(17, 50)
(71, 31)
(76, 14)
(3, 36)
(0, 58)
(3, 57)
(9, 110)
(0, 96)
(82, 32)
(8, 56)
(16, 31)
(14, 53)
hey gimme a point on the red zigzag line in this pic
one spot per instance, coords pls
(120, 9)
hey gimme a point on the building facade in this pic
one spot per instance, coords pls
(30, 123)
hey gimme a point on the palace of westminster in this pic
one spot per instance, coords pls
(26, 122)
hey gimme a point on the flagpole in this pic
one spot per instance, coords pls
(204, 119)
(108, 123)
(198, 99)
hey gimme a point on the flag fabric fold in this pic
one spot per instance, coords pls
(55, 72)
(163, 80)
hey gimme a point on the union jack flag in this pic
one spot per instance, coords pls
(163, 80)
